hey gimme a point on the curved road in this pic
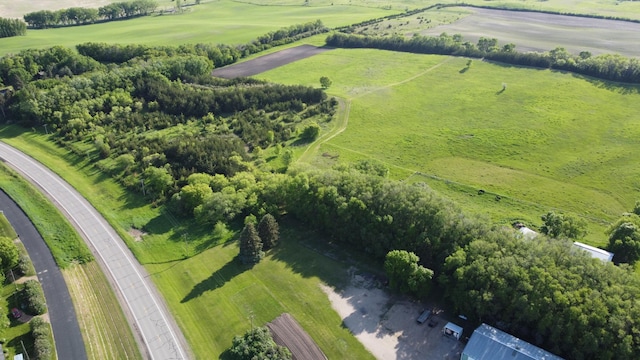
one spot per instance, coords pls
(138, 296)
(66, 331)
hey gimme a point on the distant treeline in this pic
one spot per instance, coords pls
(219, 54)
(80, 16)
(352, 27)
(12, 27)
(607, 67)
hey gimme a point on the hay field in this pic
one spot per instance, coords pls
(549, 141)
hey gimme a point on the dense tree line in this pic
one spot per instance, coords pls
(607, 67)
(12, 27)
(81, 16)
(219, 54)
(542, 291)
(19, 69)
(223, 121)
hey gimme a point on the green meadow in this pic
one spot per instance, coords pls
(217, 22)
(549, 140)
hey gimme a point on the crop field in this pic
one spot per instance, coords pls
(543, 32)
(437, 120)
(215, 297)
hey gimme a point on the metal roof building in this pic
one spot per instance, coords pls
(596, 253)
(489, 343)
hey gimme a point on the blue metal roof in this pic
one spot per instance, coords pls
(489, 343)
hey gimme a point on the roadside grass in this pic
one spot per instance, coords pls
(549, 141)
(167, 237)
(6, 229)
(215, 297)
(104, 328)
(223, 21)
(64, 243)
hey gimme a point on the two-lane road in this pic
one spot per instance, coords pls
(139, 298)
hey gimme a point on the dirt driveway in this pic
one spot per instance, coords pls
(387, 326)
(268, 62)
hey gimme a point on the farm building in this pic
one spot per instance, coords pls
(526, 232)
(452, 330)
(489, 343)
(596, 253)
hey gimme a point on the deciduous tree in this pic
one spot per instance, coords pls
(9, 255)
(563, 225)
(257, 344)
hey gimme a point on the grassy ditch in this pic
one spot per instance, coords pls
(103, 325)
(515, 132)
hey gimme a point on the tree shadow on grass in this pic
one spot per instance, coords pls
(220, 277)
(311, 254)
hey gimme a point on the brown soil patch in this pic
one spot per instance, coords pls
(137, 234)
(268, 62)
(532, 31)
(287, 332)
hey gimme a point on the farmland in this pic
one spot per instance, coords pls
(458, 125)
(523, 143)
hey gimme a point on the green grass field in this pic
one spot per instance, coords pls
(426, 114)
(214, 297)
(222, 21)
(6, 229)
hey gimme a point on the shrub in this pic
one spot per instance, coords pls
(41, 332)
(33, 296)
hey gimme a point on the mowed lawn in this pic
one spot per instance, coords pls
(214, 297)
(217, 22)
(550, 140)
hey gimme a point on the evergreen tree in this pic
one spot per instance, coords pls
(269, 231)
(250, 245)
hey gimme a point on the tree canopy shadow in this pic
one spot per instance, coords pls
(220, 277)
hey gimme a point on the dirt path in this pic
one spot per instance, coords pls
(344, 108)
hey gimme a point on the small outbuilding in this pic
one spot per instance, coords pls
(595, 253)
(489, 343)
(452, 330)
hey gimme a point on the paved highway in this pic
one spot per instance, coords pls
(66, 331)
(160, 337)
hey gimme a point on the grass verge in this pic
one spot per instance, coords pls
(6, 229)
(65, 244)
(103, 325)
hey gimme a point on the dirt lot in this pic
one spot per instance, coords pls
(268, 62)
(387, 326)
(542, 32)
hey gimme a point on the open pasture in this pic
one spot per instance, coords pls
(543, 139)
(543, 32)
(223, 21)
